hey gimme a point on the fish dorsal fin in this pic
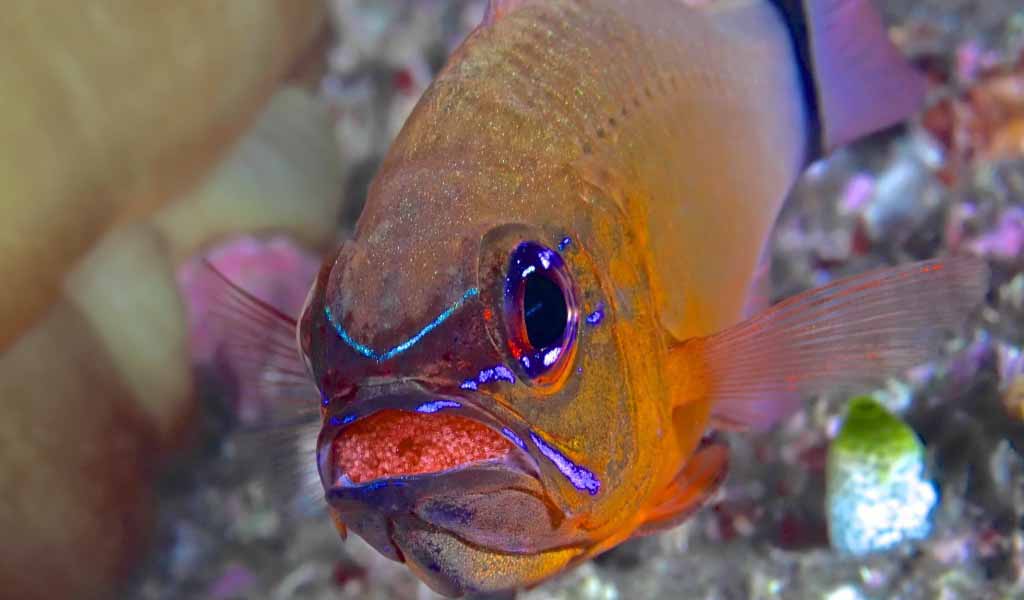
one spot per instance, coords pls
(496, 9)
(856, 80)
(854, 331)
(696, 482)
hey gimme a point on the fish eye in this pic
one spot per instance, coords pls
(544, 311)
(540, 311)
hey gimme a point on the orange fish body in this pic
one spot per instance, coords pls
(538, 318)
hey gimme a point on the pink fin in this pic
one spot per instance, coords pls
(278, 404)
(860, 81)
(851, 332)
(497, 9)
(261, 346)
(699, 479)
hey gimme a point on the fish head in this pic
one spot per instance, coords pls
(478, 421)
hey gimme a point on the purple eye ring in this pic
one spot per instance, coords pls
(541, 312)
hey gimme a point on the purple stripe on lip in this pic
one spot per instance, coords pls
(336, 420)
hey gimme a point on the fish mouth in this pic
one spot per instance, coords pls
(409, 459)
(408, 433)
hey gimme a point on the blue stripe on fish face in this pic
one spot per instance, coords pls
(409, 343)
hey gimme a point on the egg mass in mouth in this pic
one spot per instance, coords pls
(392, 443)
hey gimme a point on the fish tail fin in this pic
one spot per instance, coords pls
(846, 334)
(855, 80)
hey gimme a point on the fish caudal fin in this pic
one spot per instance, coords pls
(856, 81)
(699, 479)
(849, 333)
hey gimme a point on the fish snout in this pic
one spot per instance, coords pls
(401, 465)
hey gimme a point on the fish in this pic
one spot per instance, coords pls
(544, 314)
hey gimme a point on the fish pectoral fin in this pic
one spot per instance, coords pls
(698, 480)
(261, 342)
(854, 331)
(281, 419)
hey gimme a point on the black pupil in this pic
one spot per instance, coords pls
(544, 311)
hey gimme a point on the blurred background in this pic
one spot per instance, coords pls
(140, 135)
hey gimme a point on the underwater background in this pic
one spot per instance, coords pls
(952, 180)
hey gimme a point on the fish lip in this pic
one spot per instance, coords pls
(372, 508)
(416, 397)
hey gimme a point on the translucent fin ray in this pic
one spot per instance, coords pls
(278, 405)
(852, 332)
(261, 348)
(283, 460)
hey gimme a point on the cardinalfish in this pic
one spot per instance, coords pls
(547, 302)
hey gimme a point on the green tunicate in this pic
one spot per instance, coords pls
(876, 493)
(870, 432)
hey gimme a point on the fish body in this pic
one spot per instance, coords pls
(538, 129)
(540, 314)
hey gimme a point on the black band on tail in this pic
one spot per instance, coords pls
(795, 17)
